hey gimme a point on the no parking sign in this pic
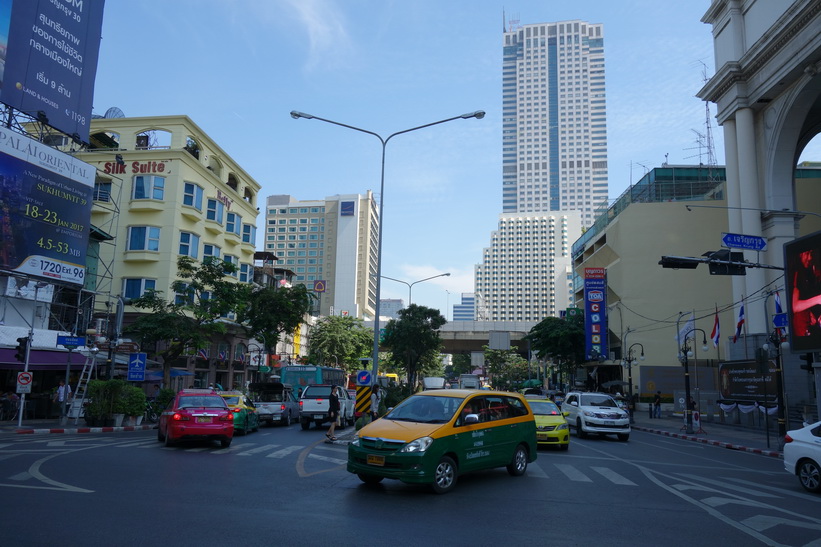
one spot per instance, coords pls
(24, 382)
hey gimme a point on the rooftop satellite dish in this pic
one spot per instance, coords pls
(114, 112)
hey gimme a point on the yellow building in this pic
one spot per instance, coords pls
(166, 189)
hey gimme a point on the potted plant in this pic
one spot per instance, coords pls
(96, 409)
(134, 404)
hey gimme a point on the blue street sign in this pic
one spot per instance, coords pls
(780, 320)
(363, 378)
(136, 367)
(741, 241)
(71, 342)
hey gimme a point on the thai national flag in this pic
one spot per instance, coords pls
(715, 335)
(202, 353)
(740, 324)
(242, 358)
(223, 355)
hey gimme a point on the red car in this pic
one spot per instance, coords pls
(196, 414)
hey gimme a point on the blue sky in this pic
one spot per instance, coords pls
(237, 68)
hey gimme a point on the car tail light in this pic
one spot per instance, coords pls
(180, 417)
(236, 409)
(282, 407)
(227, 417)
(300, 405)
(787, 439)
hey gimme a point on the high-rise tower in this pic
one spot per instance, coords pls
(554, 134)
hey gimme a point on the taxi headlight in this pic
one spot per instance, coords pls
(561, 426)
(419, 445)
(355, 441)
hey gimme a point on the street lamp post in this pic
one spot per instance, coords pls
(629, 360)
(684, 353)
(410, 285)
(479, 114)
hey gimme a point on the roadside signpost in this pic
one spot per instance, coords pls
(24, 382)
(136, 367)
(741, 241)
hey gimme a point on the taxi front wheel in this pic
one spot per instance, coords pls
(444, 479)
(519, 464)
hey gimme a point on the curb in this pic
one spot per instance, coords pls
(722, 444)
(76, 430)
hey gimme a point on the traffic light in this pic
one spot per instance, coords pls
(724, 255)
(679, 262)
(808, 357)
(22, 344)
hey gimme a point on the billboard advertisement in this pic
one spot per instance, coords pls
(802, 273)
(45, 210)
(747, 381)
(595, 317)
(50, 50)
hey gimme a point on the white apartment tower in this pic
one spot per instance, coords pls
(330, 245)
(554, 134)
(526, 272)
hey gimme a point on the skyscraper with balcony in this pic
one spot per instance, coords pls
(554, 129)
(554, 167)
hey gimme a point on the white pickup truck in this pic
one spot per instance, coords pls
(313, 406)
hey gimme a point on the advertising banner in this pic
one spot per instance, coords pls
(595, 317)
(45, 209)
(51, 49)
(746, 381)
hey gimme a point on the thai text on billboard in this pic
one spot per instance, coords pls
(595, 317)
(746, 381)
(51, 49)
(45, 209)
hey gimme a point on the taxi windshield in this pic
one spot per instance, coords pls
(425, 409)
(544, 408)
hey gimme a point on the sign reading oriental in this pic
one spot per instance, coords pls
(595, 313)
(45, 209)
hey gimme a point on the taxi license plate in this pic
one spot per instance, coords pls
(609, 422)
(203, 419)
(541, 436)
(376, 459)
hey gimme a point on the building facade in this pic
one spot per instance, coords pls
(466, 310)
(524, 274)
(389, 307)
(167, 190)
(330, 244)
(554, 135)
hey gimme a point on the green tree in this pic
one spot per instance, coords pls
(337, 339)
(461, 364)
(506, 368)
(414, 341)
(203, 293)
(269, 312)
(559, 340)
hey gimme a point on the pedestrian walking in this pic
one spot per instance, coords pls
(61, 396)
(657, 405)
(333, 413)
(374, 402)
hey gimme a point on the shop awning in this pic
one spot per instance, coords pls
(40, 359)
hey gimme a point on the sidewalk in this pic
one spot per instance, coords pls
(733, 437)
(47, 426)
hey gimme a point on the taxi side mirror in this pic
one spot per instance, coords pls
(471, 419)
(565, 414)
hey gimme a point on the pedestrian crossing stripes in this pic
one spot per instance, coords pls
(577, 474)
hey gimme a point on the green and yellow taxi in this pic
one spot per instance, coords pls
(246, 418)
(432, 437)
(551, 426)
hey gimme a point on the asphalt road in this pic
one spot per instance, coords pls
(284, 486)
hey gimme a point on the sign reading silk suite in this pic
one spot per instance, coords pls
(595, 313)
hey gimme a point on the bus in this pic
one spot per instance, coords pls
(300, 376)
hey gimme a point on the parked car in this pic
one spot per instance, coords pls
(802, 455)
(551, 427)
(313, 406)
(432, 437)
(246, 418)
(595, 413)
(275, 402)
(196, 414)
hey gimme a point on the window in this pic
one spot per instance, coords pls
(189, 244)
(245, 273)
(192, 195)
(233, 223)
(148, 187)
(134, 288)
(143, 238)
(184, 296)
(230, 259)
(249, 233)
(210, 251)
(102, 191)
(215, 211)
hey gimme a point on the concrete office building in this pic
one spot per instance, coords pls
(554, 128)
(466, 311)
(330, 244)
(524, 275)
